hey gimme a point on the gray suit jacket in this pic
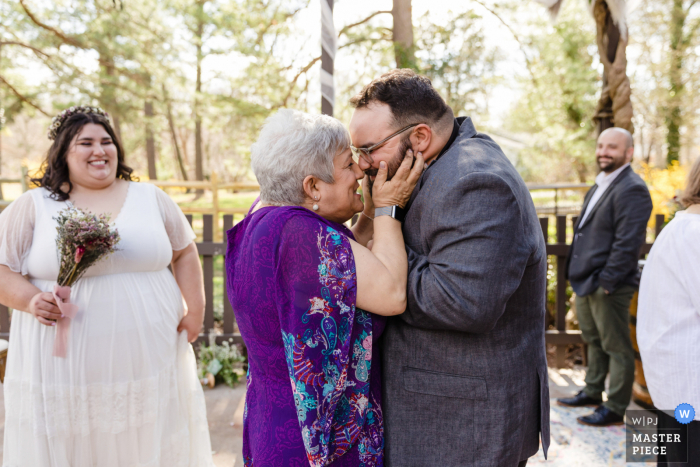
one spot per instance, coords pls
(464, 368)
(606, 247)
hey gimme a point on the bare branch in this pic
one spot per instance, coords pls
(692, 29)
(515, 36)
(296, 78)
(67, 39)
(350, 26)
(21, 97)
(37, 51)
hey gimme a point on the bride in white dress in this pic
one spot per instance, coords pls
(127, 393)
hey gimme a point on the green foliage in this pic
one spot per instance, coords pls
(119, 55)
(455, 57)
(559, 100)
(224, 361)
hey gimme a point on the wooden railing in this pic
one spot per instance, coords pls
(208, 250)
(555, 189)
(214, 186)
(22, 181)
(560, 336)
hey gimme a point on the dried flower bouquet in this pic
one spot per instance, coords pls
(83, 239)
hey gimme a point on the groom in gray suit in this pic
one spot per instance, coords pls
(464, 368)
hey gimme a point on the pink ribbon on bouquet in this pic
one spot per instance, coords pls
(68, 310)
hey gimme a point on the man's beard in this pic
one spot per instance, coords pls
(611, 167)
(394, 163)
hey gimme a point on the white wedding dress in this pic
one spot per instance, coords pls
(127, 393)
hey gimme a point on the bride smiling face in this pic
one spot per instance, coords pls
(92, 158)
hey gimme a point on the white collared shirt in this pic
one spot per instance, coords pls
(668, 315)
(603, 180)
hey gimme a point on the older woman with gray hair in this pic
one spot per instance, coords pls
(310, 298)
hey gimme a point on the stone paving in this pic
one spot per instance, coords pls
(572, 444)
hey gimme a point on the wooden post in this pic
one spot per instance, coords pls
(659, 221)
(229, 317)
(561, 290)
(24, 180)
(215, 204)
(4, 322)
(208, 269)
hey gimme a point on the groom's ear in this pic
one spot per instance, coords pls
(421, 136)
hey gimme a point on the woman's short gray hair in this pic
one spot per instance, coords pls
(291, 146)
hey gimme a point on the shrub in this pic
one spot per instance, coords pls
(225, 361)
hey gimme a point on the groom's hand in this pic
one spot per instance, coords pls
(397, 191)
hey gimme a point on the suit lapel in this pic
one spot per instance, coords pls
(606, 194)
(589, 195)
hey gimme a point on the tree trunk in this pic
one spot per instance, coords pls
(173, 133)
(109, 95)
(404, 50)
(674, 117)
(198, 165)
(614, 106)
(150, 140)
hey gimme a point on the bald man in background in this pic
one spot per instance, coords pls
(602, 269)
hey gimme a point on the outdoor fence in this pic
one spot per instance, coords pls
(213, 247)
(209, 251)
(562, 337)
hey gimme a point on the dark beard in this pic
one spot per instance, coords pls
(394, 163)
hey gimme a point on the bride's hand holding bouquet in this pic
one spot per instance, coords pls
(83, 239)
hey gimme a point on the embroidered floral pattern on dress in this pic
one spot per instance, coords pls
(332, 405)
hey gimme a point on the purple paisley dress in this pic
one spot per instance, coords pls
(314, 395)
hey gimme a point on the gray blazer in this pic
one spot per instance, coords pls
(606, 247)
(464, 368)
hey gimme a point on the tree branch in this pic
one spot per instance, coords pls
(693, 28)
(515, 36)
(21, 97)
(350, 26)
(296, 78)
(67, 39)
(37, 51)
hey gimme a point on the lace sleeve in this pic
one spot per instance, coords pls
(179, 231)
(17, 232)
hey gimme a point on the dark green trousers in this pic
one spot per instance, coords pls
(604, 322)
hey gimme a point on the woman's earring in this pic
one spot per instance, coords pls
(315, 207)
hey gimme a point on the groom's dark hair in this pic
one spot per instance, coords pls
(411, 98)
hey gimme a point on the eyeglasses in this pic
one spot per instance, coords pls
(365, 153)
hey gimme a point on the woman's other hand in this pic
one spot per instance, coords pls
(398, 190)
(192, 323)
(43, 307)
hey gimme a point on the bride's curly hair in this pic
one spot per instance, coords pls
(55, 167)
